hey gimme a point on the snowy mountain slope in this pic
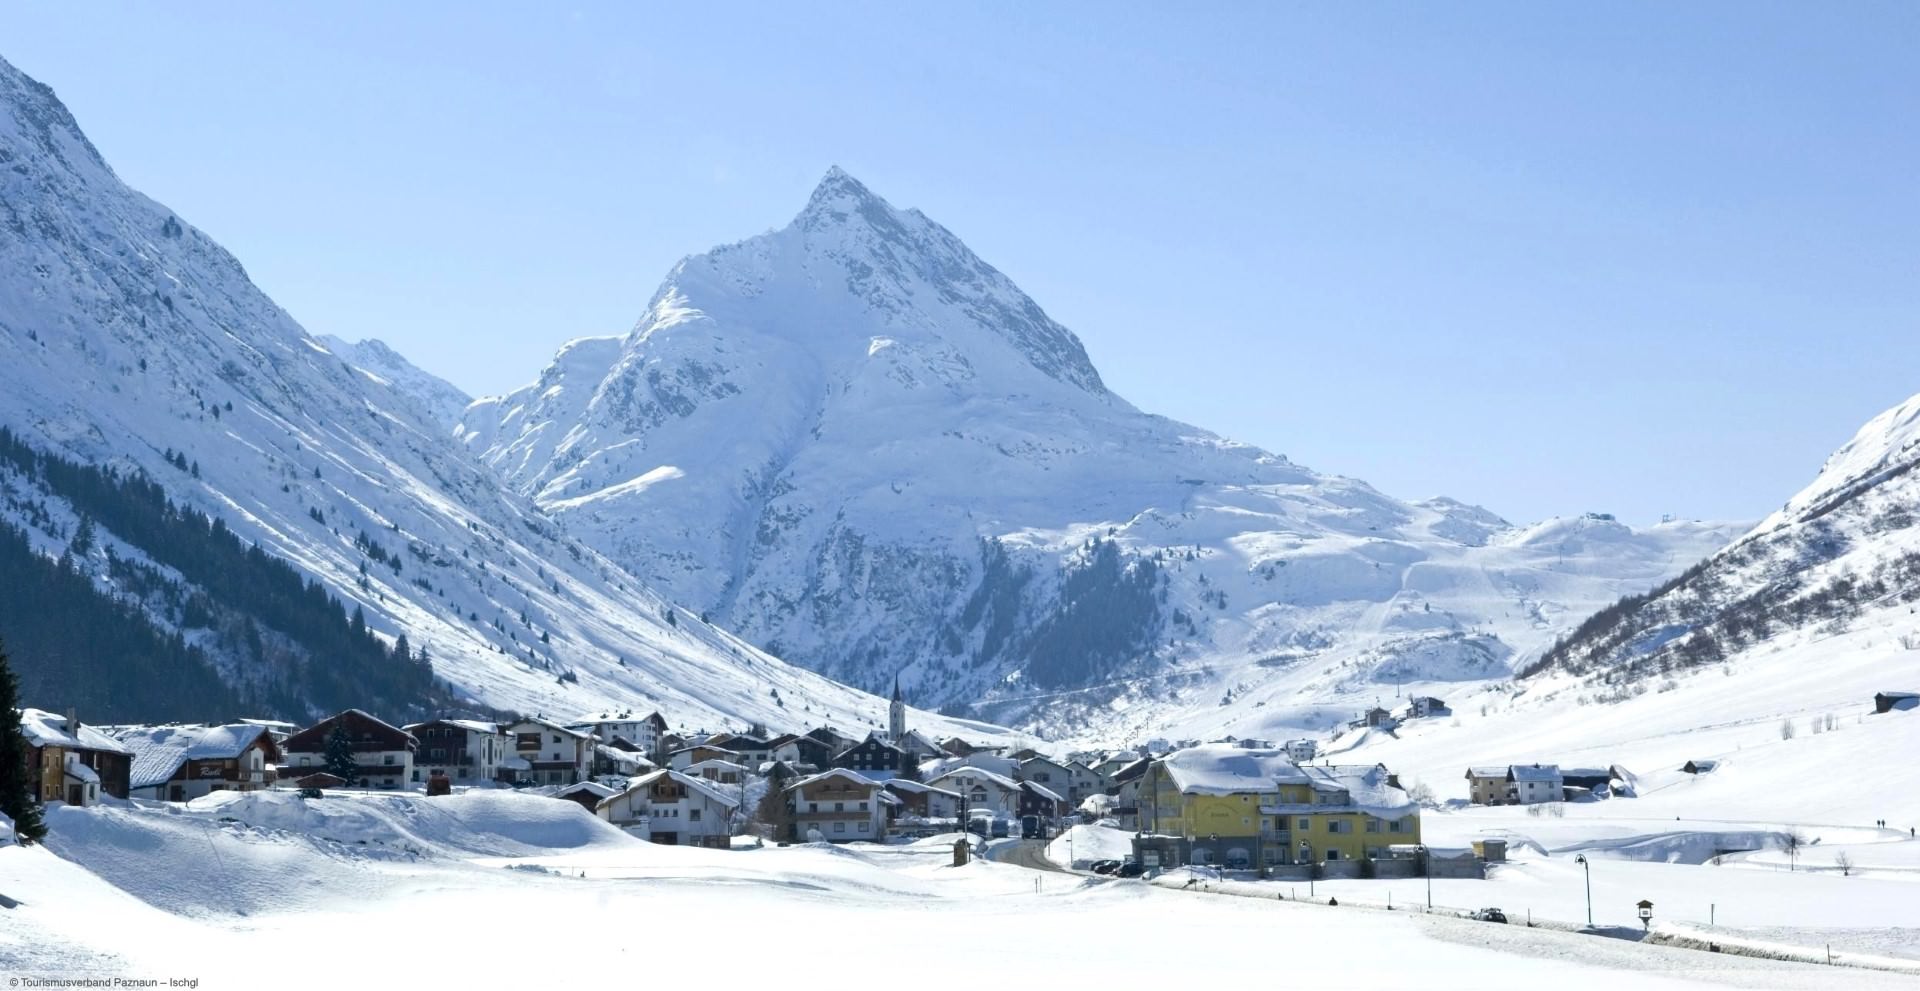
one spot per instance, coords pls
(1764, 658)
(130, 339)
(863, 448)
(443, 401)
(1838, 554)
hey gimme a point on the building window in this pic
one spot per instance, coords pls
(1373, 825)
(1333, 854)
(693, 815)
(1304, 824)
(387, 760)
(839, 827)
(863, 827)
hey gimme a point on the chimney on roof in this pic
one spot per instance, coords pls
(73, 721)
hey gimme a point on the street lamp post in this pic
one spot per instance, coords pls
(1426, 867)
(1582, 861)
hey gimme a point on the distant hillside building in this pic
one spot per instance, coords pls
(1529, 784)
(1889, 701)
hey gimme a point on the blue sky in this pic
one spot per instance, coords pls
(1638, 259)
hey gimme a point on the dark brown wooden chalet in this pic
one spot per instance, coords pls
(805, 750)
(1039, 800)
(872, 755)
(382, 752)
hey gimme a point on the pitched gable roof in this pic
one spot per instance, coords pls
(49, 729)
(160, 751)
(693, 784)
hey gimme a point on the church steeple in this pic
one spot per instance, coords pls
(897, 715)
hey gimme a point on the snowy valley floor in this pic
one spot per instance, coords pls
(491, 889)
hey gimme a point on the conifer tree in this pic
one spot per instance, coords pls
(341, 762)
(16, 797)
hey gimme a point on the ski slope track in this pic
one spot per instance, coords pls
(126, 333)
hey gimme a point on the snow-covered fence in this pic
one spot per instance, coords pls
(1687, 937)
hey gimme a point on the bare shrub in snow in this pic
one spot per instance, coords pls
(1558, 810)
(1786, 729)
(1844, 862)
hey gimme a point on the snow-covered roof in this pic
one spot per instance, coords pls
(693, 784)
(968, 770)
(159, 751)
(910, 785)
(48, 729)
(556, 727)
(515, 764)
(703, 746)
(1224, 769)
(81, 772)
(1535, 772)
(618, 755)
(1488, 771)
(1042, 790)
(717, 765)
(594, 788)
(275, 724)
(470, 725)
(840, 773)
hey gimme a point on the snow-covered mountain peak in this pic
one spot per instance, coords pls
(840, 199)
(900, 270)
(442, 401)
(35, 114)
(866, 449)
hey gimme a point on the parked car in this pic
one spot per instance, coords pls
(1000, 829)
(1104, 866)
(1131, 868)
(1490, 915)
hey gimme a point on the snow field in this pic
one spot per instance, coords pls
(478, 899)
